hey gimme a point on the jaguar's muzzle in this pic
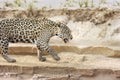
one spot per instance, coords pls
(66, 40)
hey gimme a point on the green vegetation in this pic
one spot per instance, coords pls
(86, 3)
(25, 4)
(68, 3)
(30, 6)
(44, 8)
(117, 3)
(102, 1)
(92, 3)
(21, 3)
(80, 4)
(17, 2)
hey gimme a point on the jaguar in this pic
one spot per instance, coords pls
(36, 31)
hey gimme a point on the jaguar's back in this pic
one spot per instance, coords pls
(24, 30)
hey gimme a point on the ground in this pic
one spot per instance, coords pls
(72, 66)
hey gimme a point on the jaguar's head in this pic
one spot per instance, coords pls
(64, 32)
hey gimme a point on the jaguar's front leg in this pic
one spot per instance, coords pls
(42, 45)
(4, 45)
(53, 53)
(40, 57)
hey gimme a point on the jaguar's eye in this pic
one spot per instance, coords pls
(56, 34)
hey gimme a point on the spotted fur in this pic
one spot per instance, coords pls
(37, 31)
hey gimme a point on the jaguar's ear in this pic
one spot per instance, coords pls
(58, 30)
(59, 24)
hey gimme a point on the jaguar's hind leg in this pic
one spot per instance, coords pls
(41, 58)
(42, 45)
(4, 45)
